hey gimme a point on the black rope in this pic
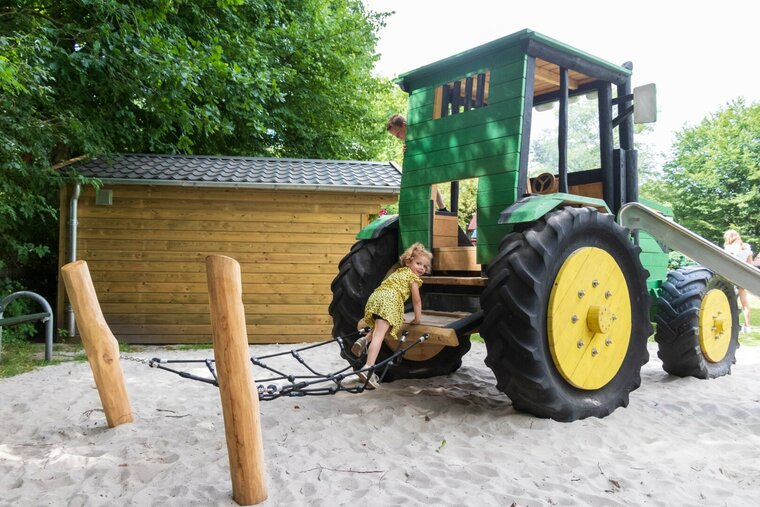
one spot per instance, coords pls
(300, 385)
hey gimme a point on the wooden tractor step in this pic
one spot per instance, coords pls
(443, 330)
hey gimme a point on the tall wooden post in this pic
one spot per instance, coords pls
(99, 343)
(240, 402)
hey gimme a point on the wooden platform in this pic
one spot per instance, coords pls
(455, 280)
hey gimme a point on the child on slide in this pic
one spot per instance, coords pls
(385, 307)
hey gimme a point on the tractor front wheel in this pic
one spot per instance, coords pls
(566, 316)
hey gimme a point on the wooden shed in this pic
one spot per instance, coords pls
(145, 234)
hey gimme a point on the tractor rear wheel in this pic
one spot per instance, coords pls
(566, 316)
(697, 324)
(359, 273)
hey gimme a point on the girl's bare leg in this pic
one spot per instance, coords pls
(745, 305)
(378, 335)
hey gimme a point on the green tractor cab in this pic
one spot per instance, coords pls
(561, 293)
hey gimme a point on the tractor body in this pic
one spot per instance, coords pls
(562, 294)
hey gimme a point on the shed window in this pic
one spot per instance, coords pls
(463, 95)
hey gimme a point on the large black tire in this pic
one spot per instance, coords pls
(690, 344)
(359, 273)
(519, 331)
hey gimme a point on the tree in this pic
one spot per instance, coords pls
(229, 77)
(195, 76)
(713, 175)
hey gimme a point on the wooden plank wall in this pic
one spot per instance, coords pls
(147, 251)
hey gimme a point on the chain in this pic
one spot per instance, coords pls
(140, 360)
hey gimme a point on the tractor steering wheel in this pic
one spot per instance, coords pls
(544, 183)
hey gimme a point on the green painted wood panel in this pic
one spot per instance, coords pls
(487, 186)
(501, 111)
(414, 213)
(653, 258)
(500, 75)
(495, 194)
(411, 235)
(490, 213)
(419, 206)
(459, 138)
(489, 238)
(463, 67)
(465, 170)
(507, 90)
(471, 151)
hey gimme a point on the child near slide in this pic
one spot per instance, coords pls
(384, 311)
(733, 244)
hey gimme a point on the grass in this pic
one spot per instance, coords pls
(19, 356)
(752, 339)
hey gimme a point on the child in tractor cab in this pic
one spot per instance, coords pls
(396, 126)
(384, 310)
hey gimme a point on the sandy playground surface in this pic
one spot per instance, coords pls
(451, 440)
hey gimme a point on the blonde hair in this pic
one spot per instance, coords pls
(414, 251)
(731, 236)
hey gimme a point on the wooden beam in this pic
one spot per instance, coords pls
(548, 76)
(101, 347)
(240, 401)
(478, 281)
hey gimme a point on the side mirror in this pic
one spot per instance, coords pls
(645, 104)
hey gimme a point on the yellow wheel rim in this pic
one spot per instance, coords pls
(715, 325)
(589, 318)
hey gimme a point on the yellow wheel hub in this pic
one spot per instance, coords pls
(589, 318)
(715, 325)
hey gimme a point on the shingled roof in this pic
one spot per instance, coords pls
(246, 172)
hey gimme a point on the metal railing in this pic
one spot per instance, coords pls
(46, 317)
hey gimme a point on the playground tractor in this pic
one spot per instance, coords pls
(569, 269)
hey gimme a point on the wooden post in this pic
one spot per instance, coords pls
(240, 401)
(99, 343)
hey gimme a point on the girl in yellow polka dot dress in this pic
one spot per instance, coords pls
(385, 307)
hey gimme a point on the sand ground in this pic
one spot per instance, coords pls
(452, 440)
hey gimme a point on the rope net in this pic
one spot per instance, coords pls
(310, 383)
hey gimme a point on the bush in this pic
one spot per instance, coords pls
(21, 306)
(677, 260)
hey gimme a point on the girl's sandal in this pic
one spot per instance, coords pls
(359, 348)
(372, 383)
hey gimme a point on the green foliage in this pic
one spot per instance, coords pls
(392, 101)
(583, 138)
(229, 77)
(713, 176)
(20, 306)
(657, 191)
(194, 76)
(678, 260)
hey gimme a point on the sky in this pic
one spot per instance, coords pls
(700, 57)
